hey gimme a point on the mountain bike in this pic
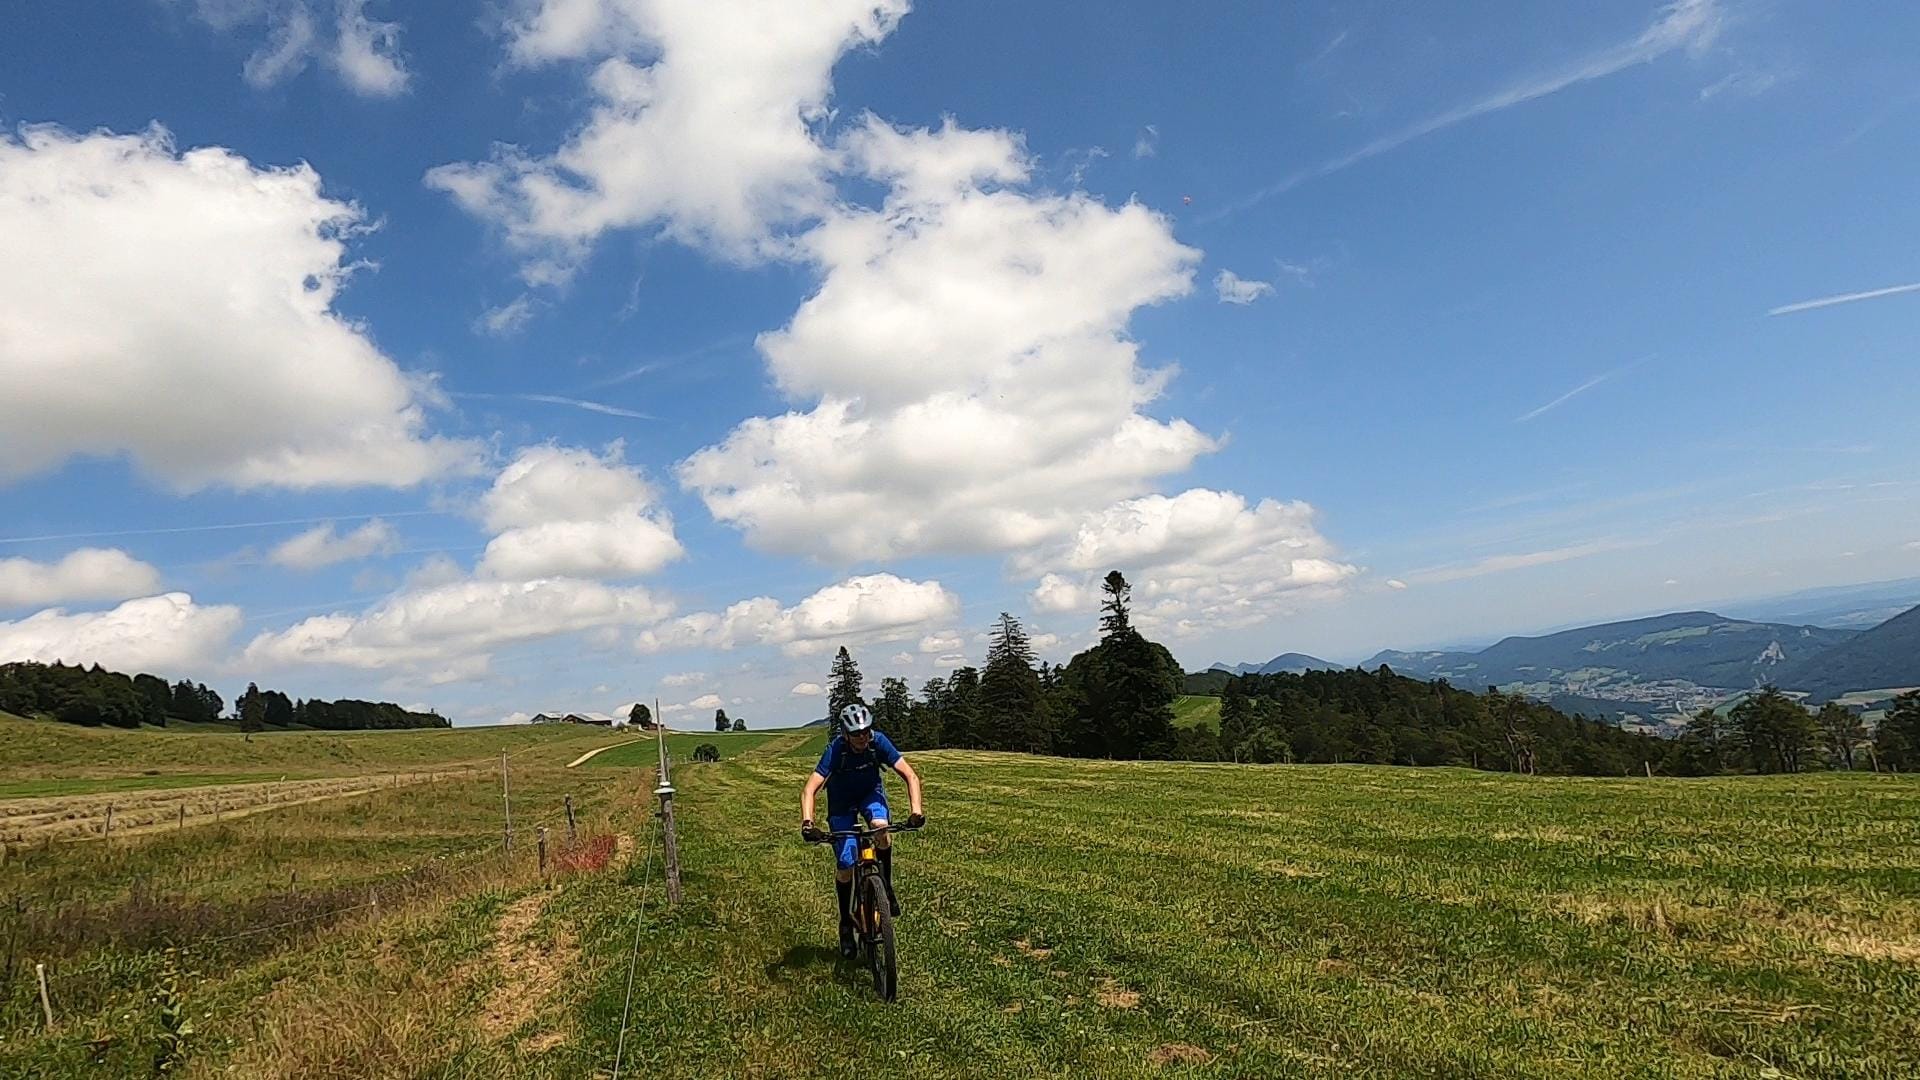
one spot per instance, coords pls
(872, 917)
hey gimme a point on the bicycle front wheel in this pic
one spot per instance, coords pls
(879, 932)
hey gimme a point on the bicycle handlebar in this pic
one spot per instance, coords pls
(855, 834)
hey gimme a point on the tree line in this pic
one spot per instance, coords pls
(93, 696)
(1769, 732)
(1115, 700)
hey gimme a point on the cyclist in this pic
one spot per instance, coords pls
(850, 771)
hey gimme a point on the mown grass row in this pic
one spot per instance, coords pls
(44, 753)
(1123, 919)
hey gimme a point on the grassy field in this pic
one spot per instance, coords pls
(1194, 711)
(681, 745)
(38, 751)
(1063, 918)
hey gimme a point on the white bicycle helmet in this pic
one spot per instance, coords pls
(856, 717)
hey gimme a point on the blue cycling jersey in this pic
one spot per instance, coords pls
(853, 776)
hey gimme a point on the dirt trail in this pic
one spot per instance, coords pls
(530, 971)
(588, 756)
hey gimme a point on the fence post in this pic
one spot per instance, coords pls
(183, 815)
(572, 836)
(542, 835)
(506, 802)
(1649, 767)
(107, 833)
(46, 1003)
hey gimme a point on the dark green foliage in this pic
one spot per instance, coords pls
(706, 751)
(1776, 734)
(1211, 683)
(1013, 715)
(1382, 718)
(843, 689)
(77, 695)
(1119, 694)
(720, 721)
(640, 716)
(1842, 732)
(1897, 744)
(893, 713)
(196, 703)
(279, 709)
(1705, 747)
(739, 724)
(348, 714)
(251, 709)
(158, 695)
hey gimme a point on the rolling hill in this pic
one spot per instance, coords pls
(1884, 657)
(1291, 663)
(1697, 647)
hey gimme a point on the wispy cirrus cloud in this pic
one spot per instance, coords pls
(1578, 390)
(1845, 298)
(555, 399)
(1496, 564)
(1689, 25)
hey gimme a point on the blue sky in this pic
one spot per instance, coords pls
(591, 350)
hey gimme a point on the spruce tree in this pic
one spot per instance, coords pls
(843, 689)
(1011, 716)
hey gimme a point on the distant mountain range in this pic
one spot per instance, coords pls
(1884, 657)
(1697, 647)
(1845, 607)
(1666, 665)
(1291, 663)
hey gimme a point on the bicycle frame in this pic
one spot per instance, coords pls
(873, 927)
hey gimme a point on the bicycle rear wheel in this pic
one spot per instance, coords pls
(879, 933)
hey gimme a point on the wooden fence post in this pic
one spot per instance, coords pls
(572, 836)
(46, 1003)
(183, 815)
(506, 802)
(107, 833)
(542, 838)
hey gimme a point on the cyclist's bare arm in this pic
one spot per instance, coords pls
(913, 784)
(809, 793)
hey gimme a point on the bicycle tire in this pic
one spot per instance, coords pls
(880, 953)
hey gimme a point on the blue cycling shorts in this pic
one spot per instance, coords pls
(841, 819)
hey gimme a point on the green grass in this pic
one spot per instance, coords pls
(1193, 711)
(1295, 921)
(680, 745)
(28, 789)
(1063, 919)
(47, 749)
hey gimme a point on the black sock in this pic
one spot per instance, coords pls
(886, 867)
(845, 889)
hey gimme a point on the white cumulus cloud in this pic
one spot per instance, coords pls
(86, 574)
(178, 309)
(560, 511)
(859, 610)
(464, 620)
(684, 678)
(707, 701)
(807, 689)
(321, 546)
(964, 313)
(702, 124)
(1234, 289)
(1198, 561)
(161, 634)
